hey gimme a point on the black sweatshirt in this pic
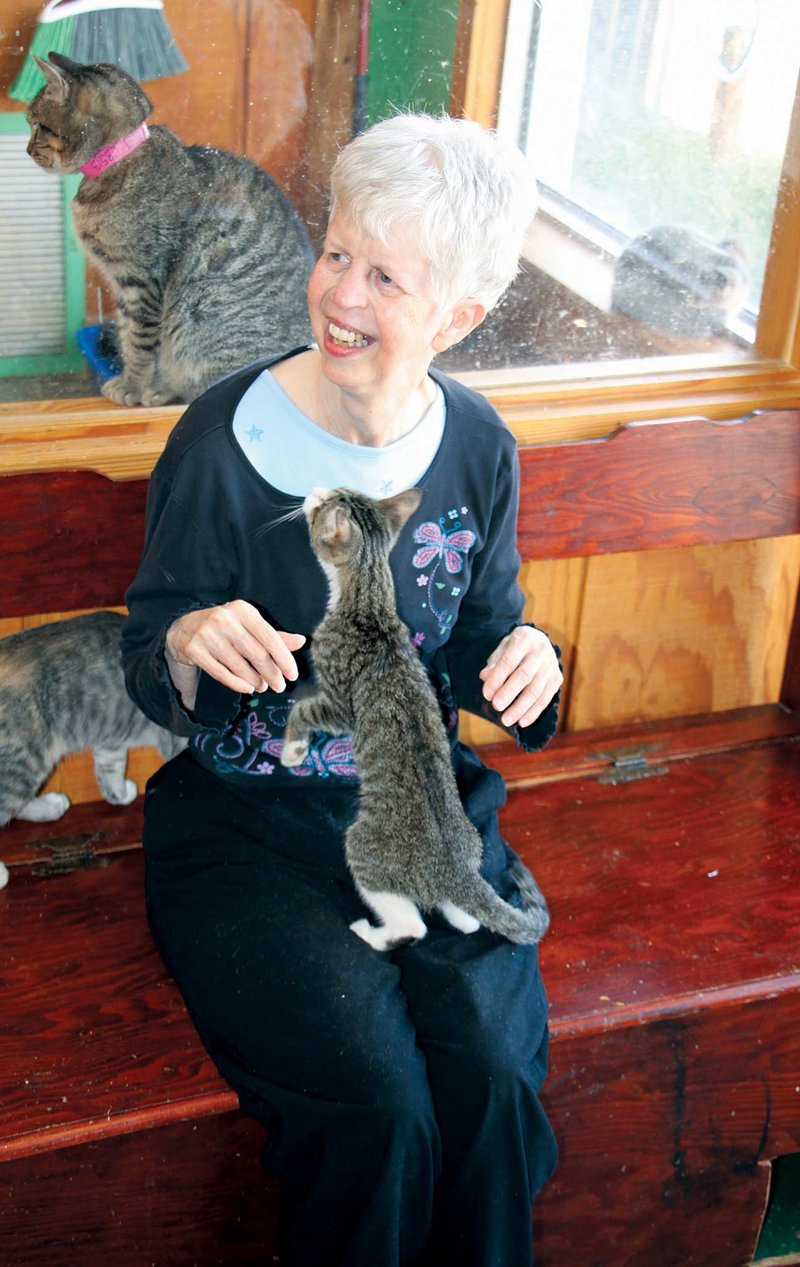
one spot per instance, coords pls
(216, 531)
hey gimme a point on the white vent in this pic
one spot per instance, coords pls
(32, 245)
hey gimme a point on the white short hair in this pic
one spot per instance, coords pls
(468, 195)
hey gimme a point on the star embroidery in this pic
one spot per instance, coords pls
(254, 433)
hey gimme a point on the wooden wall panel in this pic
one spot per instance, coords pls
(553, 596)
(206, 104)
(280, 58)
(683, 631)
(17, 25)
(330, 119)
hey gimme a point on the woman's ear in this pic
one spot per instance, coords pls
(460, 320)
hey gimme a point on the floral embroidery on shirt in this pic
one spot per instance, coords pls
(445, 542)
(247, 748)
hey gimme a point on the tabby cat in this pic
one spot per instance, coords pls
(206, 257)
(681, 281)
(411, 846)
(62, 690)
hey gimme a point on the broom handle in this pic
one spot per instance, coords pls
(362, 70)
(55, 10)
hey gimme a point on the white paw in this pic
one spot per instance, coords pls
(129, 793)
(3, 875)
(375, 937)
(45, 809)
(294, 753)
(386, 938)
(459, 919)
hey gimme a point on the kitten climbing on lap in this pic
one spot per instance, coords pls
(412, 847)
(62, 690)
(206, 257)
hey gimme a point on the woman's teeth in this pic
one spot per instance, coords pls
(347, 338)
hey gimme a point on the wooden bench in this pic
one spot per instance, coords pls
(670, 853)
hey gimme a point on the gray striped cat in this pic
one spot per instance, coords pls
(62, 690)
(206, 257)
(411, 846)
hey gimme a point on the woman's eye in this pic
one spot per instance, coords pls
(384, 278)
(337, 257)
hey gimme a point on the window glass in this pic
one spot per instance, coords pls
(656, 131)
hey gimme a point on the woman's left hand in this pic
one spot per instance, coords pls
(521, 676)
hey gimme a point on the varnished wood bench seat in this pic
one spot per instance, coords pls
(670, 853)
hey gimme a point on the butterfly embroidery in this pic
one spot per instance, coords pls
(247, 748)
(329, 756)
(437, 544)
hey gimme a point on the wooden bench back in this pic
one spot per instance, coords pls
(68, 540)
(660, 484)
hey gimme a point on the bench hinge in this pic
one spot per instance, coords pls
(629, 764)
(70, 853)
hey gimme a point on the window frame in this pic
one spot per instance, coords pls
(578, 400)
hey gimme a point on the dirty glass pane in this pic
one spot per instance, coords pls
(656, 130)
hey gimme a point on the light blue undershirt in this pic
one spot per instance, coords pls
(295, 455)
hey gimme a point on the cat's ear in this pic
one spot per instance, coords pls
(400, 508)
(336, 532)
(56, 79)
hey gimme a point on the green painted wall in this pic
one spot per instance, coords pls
(411, 56)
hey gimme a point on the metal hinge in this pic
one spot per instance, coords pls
(629, 764)
(70, 853)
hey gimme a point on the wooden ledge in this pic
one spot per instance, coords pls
(84, 434)
(607, 750)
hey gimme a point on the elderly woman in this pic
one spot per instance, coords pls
(400, 1089)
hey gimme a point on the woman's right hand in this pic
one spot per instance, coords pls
(234, 644)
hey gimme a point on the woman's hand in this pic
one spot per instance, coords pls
(234, 644)
(521, 676)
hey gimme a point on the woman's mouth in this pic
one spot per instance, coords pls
(341, 337)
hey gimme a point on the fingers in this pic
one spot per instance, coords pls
(236, 646)
(521, 676)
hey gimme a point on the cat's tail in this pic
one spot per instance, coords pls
(478, 898)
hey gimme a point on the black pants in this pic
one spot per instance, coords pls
(401, 1089)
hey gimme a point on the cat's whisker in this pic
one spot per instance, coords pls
(296, 513)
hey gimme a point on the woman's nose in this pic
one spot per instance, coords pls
(350, 289)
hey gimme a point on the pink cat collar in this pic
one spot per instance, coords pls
(111, 154)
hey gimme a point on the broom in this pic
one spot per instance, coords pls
(362, 69)
(131, 34)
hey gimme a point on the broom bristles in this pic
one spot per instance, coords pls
(137, 40)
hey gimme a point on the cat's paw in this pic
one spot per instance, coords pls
(294, 753)
(375, 937)
(45, 808)
(159, 396)
(458, 918)
(3, 875)
(129, 793)
(122, 391)
(383, 938)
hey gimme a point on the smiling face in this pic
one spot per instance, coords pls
(374, 315)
